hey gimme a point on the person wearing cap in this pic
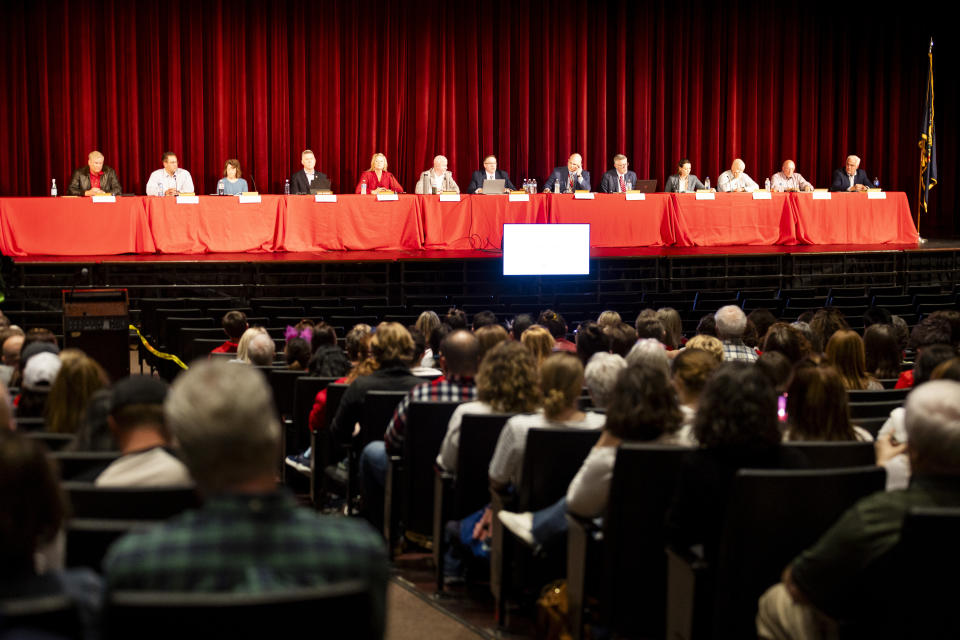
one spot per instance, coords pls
(40, 369)
(136, 421)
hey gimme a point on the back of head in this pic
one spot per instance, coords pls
(670, 319)
(876, 315)
(903, 331)
(461, 352)
(845, 352)
(817, 404)
(949, 370)
(76, 382)
(222, 417)
(261, 350)
(928, 359)
(487, 338)
(932, 420)
(882, 354)
(521, 322)
(651, 327)
(737, 409)
(137, 402)
(622, 337)
(952, 316)
(600, 375)
(826, 322)
(554, 323)
(650, 352)
(762, 319)
(539, 341)
(561, 380)
(419, 345)
(590, 340)
(484, 319)
(731, 322)
(710, 344)
(455, 318)
(609, 319)
(243, 346)
(356, 342)
(931, 330)
(297, 353)
(428, 322)
(643, 405)
(788, 340)
(707, 325)
(392, 345)
(32, 509)
(693, 367)
(322, 335)
(234, 324)
(508, 379)
(777, 368)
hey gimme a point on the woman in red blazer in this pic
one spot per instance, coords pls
(377, 177)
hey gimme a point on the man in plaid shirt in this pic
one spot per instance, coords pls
(459, 355)
(249, 536)
(731, 323)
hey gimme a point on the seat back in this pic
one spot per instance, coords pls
(551, 459)
(335, 391)
(76, 463)
(133, 503)
(88, 539)
(54, 614)
(835, 455)
(345, 610)
(53, 441)
(426, 428)
(772, 516)
(886, 395)
(283, 381)
(924, 545)
(644, 480)
(478, 440)
(378, 410)
(305, 390)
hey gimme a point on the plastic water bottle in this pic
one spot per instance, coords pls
(706, 183)
(53, 188)
(220, 189)
(766, 184)
(556, 186)
(876, 182)
(629, 186)
(534, 183)
(286, 187)
(159, 188)
(363, 187)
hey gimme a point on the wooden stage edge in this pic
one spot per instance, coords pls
(427, 255)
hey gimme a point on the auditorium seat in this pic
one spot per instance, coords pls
(378, 410)
(859, 292)
(897, 300)
(73, 464)
(48, 616)
(835, 455)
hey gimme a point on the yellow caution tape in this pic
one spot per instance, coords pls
(159, 354)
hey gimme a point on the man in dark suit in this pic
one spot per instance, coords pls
(570, 178)
(94, 179)
(618, 179)
(851, 177)
(308, 178)
(490, 172)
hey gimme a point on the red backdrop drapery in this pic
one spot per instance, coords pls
(529, 81)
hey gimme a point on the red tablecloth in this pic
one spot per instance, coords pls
(216, 225)
(73, 226)
(353, 222)
(77, 226)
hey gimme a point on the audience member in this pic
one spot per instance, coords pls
(39, 373)
(455, 318)
(488, 337)
(826, 322)
(557, 327)
(77, 380)
(428, 322)
(507, 382)
(484, 319)
(731, 323)
(296, 353)
(673, 326)
(689, 373)
(590, 340)
(930, 331)
(903, 331)
(710, 344)
(845, 352)
(750, 337)
(853, 572)
(651, 352)
(622, 338)
(952, 316)
(609, 318)
(600, 375)
(328, 359)
(762, 319)
(94, 432)
(234, 323)
(521, 322)
(248, 536)
(243, 345)
(817, 406)
(882, 354)
(138, 426)
(707, 325)
(788, 340)
(11, 340)
(777, 368)
(813, 338)
(876, 315)
(419, 349)
(262, 350)
(651, 327)
(539, 341)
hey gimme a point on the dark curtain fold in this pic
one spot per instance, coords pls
(528, 81)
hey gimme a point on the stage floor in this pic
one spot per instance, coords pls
(427, 255)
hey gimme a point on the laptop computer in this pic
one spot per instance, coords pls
(493, 186)
(646, 186)
(319, 185)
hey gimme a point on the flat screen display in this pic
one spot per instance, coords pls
(546, 249)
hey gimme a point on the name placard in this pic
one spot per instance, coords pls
(635, 195)
(821, 195)
(386, 197)
(762, 195)
(325, 197)
(110, 198)
(449, 197)
(876, 195)
(519, 197)
(188, 199)
(583, 195)
(706, 195)
(245, 199)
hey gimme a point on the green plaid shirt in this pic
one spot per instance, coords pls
(250, 544)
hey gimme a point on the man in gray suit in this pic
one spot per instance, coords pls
(618, 179)
(683, 181)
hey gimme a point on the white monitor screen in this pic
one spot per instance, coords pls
(546, 249)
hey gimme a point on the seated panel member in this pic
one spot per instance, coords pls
(735, 179)
(94, 179)
(851, 177)
(489, 172)
(683, 181)
(171, 180)
(233, 183)
(377, 177)
(308, 178)
(572, 177)
(787, 179)
(617, 179)
(437, 178)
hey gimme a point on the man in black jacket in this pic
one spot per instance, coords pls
(308, 178)
(94, 179)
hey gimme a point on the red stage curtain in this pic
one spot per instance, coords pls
(529, 81)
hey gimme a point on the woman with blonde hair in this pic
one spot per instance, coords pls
(377, 178)
(243, 346)
(428, 322)
(609, 319)
(846, 353)
(539, 341)
(79, 378)
(710, 344)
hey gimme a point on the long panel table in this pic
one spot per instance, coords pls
(79, 226)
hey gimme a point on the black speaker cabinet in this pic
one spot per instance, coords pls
(96, 321)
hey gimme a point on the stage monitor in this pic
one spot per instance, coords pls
(546, 249)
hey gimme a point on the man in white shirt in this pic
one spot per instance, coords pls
(437, 179)
(171, 180)
(735, 179)
(787, 179)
